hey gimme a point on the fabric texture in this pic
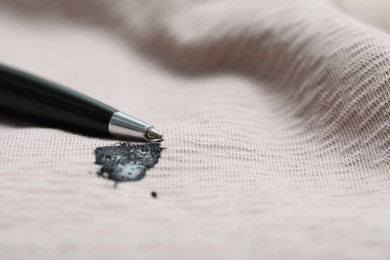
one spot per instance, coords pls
(276, 120)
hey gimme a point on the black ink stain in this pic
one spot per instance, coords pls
(154, 194)
(127, 162)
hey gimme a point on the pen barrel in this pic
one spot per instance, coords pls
(52, 104)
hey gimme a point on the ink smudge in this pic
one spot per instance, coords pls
(154, 194)
(127, 162)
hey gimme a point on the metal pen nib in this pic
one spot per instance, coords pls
(124, 126)
(153, 134)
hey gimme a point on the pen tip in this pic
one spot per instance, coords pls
(153, 134)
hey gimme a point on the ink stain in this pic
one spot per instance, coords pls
(127, 162)
(154, 194)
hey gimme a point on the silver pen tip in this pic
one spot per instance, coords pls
(153, 134)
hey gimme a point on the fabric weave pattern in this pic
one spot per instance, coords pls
(276, 117)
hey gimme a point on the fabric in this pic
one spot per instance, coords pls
(276, 120)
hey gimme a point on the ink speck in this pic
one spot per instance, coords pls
(127, 162)
(154, 194)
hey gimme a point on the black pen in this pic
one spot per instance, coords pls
(60, 107)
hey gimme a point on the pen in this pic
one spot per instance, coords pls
(60, 107)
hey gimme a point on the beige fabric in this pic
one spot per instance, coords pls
(276, 116)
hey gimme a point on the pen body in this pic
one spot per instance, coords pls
(51, 104)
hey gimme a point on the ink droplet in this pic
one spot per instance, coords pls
(127, 162)
(154, 194)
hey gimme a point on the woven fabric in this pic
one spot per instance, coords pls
(276, 116)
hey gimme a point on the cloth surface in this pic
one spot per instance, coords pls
(276, 120)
